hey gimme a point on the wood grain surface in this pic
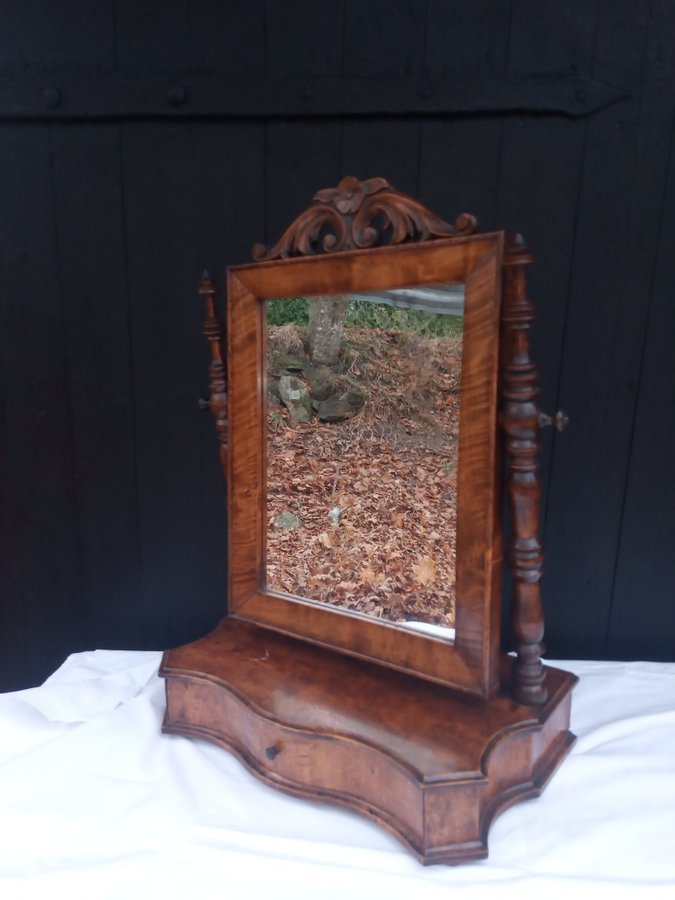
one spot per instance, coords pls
(430, 765)
(471, 662)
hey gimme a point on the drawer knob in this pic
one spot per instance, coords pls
(273, 751)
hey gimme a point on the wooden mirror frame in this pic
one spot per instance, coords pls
(470, 663)
(349, 222)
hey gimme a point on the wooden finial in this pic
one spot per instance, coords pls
(520, 420)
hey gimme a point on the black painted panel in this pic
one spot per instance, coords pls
(304, 37)
(152, 35)
(602, 348)
(384, 38)
(42, 603)
(92, 261)
(188, 191)
(112, 498)
(642, 624)
(57, 37)
(642, 617)
(228, 37)
(386, 147)
(301, 156)
(538, 194)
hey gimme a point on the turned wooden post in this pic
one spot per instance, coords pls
(213, 332)
(520, 421)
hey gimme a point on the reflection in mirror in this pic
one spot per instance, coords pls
(362, 453)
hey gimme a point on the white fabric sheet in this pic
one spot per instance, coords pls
(95, 802)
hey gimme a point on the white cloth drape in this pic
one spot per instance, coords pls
(95, 802)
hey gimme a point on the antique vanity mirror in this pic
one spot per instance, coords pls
(359, 661)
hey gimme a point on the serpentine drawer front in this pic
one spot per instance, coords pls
(336, 767)
(416, 757)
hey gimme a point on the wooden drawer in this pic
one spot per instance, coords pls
(432, 766)
(311, 764)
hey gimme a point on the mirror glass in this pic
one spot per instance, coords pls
(363, 401)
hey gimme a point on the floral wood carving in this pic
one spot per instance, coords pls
(360, 214)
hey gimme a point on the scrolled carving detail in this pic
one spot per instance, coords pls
(357, 215)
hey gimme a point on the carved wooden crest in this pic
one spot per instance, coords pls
(360, 214)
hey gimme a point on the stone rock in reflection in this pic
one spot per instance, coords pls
(296, 398)
(321, 381)
(288, 521)
(335, 409)
(285, 364)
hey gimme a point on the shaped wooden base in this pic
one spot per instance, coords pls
(432, 766)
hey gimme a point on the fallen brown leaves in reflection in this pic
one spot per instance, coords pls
(376, 494)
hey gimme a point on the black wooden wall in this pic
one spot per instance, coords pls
(142, 140)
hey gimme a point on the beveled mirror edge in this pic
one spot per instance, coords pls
(471, 663)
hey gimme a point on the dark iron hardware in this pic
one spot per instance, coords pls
(560, 420)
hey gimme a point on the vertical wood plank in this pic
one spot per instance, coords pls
(388, 147)
(57, 36)
(537, 195)
(193, 200)
(460, 154)
(304, 37)
(468, 39)
(381, 41)
(602, 345)
(153, 35)
(183, 208)
(642, 622)
(642, 616)
(91, 247)
(228, 37)
(45, 596)
(42, 603)
(384, 38)
(301, 156)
